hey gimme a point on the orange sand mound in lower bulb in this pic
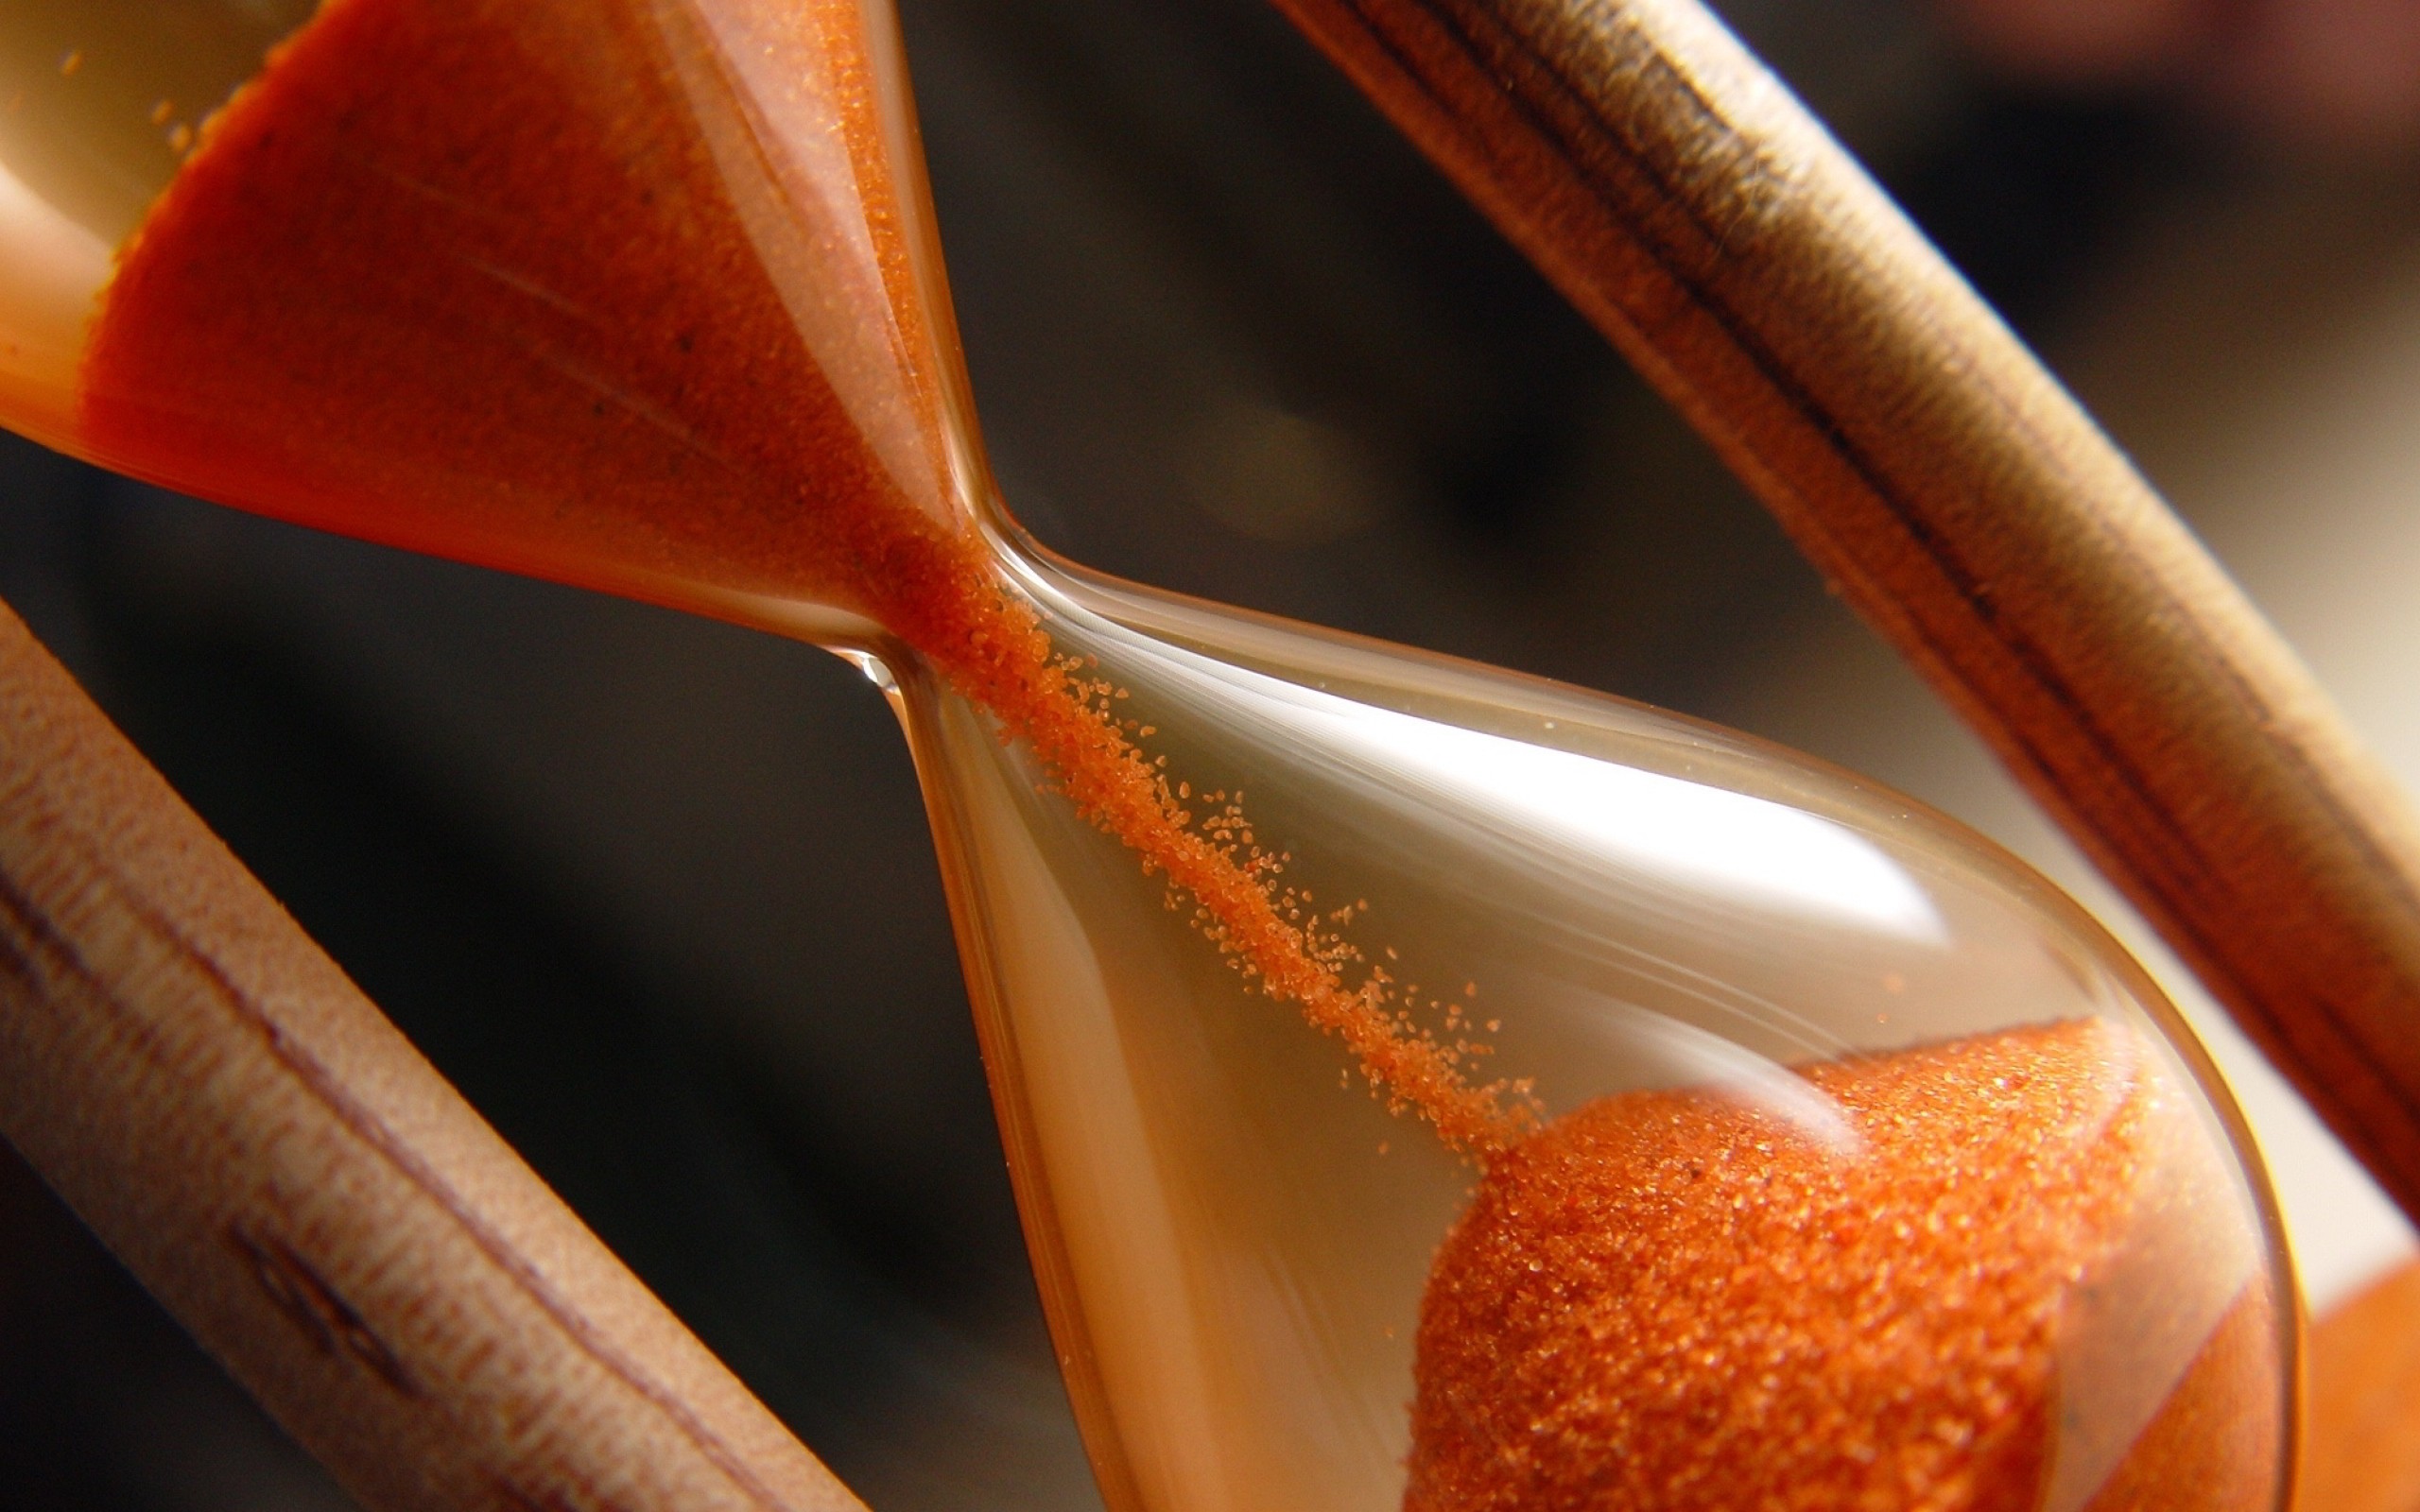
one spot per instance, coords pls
(1676, 1300)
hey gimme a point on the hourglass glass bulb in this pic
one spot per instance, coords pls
(613, 293)
(1869, 1173)
(1762, 1141)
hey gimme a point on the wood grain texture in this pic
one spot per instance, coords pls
(2362, 1442)
(1960, 500)
(236, 1122)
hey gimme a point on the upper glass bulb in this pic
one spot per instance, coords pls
(1738, 1134)
(615, 293)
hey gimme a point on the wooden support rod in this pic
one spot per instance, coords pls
(1960, 499)
(304, 1191)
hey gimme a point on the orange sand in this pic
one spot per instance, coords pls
(1671, 1300)
(463, 275)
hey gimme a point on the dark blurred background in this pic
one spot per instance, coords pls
(656, 892)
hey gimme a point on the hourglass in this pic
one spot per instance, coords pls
(1424, 1085)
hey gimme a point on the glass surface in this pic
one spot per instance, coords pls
(550, 290)
(1762, 1138)
(102, 100)
(1239, 1239)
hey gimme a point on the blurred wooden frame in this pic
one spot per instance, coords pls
(330, 1218)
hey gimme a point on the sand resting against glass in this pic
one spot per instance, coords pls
(1661, 1300)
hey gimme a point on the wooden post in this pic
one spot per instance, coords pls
(305, 1192)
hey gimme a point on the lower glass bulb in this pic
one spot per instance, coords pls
(1841, 1162)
